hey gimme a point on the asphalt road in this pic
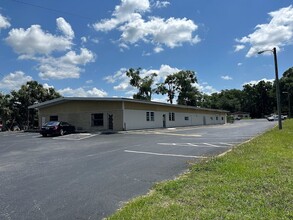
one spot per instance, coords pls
(89, 176)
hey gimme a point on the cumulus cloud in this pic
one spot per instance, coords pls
(226, 77)
(239, 47)
(34, 41)
(81, 92)
(161, 4)
(277, 33)
(38, 45)
(65, 28)
(206, 88)
(66, 66)
(128, 18)
(47, 86)
(4, 23)
(13, 81)
(255, 82)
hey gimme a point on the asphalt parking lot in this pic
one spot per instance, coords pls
(89, 176)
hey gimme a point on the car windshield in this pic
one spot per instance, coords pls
(52, 123)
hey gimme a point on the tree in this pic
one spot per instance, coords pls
(181, 83)
(5, 110)
(286, 88)
(229, 100)
(144, 85)
(187, 92)
(259, 99)
(167, 87)
(30, 93)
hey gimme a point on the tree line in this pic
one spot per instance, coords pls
(14, 111)
(257, 99)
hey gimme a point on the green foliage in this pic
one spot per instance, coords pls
(286, 88)
(14, 107)
(144, 85)
(182, 83)
(257, 99)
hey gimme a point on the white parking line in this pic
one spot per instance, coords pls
(168, 155)
(226, 144)
(179, 144)
(75, 137)
(212, 145)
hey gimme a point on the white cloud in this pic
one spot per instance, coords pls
(89, 81)
(158, 49)
(34, 41)
(239, 64)
(81, 92)
(38, 45)
(65, 27)
(206, 88)
(47, 86)
(66, 66)
(83, 40)
(239, 47)
(161, 4)
(121, 81)
(4, 23)
(277, 33)
(13, 81)
(254, 82)
(123, 12)
(127, 18)
(226, 77)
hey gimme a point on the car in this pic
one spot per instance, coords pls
(272, 118)
(57, 128)
(276, 117)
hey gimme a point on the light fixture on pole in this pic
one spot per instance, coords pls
(274, 51)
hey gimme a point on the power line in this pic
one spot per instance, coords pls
(52, 9)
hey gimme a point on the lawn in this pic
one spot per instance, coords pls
(253, 181)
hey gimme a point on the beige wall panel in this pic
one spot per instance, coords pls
(79, 114)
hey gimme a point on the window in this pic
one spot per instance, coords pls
(217, 118)
(186, 118)
(150, 116)
(222, 118)
(171, 116)
(54, 118)
(212, 118)
(98, 119)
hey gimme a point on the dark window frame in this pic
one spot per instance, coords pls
(97, 119)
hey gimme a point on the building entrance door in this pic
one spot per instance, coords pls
(204, 120)
(164, 121)
(110, 122)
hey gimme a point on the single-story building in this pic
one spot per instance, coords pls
(97, 114)
(240, 115)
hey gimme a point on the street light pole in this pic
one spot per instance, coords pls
(277, 85)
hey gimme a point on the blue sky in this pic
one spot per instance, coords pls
(83, 48)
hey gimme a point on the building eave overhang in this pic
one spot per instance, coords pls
(68, 99)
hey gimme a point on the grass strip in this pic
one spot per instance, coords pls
(254, 181)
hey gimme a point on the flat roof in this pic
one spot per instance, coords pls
(112, 99)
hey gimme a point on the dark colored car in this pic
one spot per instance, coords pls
(57, 128)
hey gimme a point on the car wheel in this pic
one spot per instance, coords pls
(44, 135)
(61, 132)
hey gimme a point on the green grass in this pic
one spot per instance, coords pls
(254, 181)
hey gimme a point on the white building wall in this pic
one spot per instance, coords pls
(136, 119)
